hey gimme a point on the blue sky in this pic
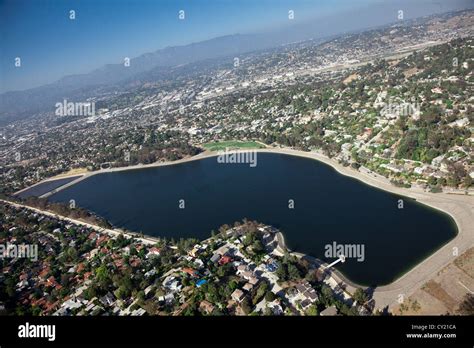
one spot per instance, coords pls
(51, 45)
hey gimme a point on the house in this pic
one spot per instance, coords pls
(206, 307)
(190, 271)
(241, 269)
(101, 240)
(437, 160)
(172, 284)
(253, 280)
(304, 294)
(225, 260)
(198, 263)
(311, 295)
(223, 250)
(238, 295)
(148, 289)
(305, 304)
(51, 281)
(154, 251)
(135, 262)
(275, 308)
(330, 311)
(196, 251)
(247, 275)
(418, 170)
(138, 312)
(247, 287)
(108, 299)
(216, 257)
(22, 285)
(393, 167)
(150, 273)
(168, 298)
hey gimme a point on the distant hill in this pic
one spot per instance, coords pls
(18, 105)
(21, 104)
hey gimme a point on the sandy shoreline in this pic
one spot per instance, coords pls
(459, 207)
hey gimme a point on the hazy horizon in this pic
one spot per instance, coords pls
(48, 54)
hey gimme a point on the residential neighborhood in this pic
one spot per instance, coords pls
(83, 271)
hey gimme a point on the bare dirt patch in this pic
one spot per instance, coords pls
(350, 78)
(437, 291)
(444, 292)
(465, 262)
(412, 71)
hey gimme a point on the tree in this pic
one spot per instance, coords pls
(71, 254)
(327, 295)
(257, 246)
(232, 285)
(120, 293)
(312, 310)
(185, 282)
(467, 181)
(415, 306)
(261, 291)
(281, 271)
(141, 296)
(360, 296)
(246, 306)
(467, 305)
(293, 272)
(270, 296)
(102, 273)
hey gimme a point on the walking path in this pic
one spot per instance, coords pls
(110, 232)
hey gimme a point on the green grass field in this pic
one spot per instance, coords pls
(232, 145)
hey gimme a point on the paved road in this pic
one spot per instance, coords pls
(110, 232)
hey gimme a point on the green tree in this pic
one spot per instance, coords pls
(293, 272)
(270, 296)
(246, 306)
(360, 296)
(312, 310)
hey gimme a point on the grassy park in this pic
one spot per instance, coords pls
(232, 145)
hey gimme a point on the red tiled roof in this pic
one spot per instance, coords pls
(189, 271)
(224, 260)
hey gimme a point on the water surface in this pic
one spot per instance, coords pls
(328, 207)
(46, 186)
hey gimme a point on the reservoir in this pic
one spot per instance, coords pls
(328, 208)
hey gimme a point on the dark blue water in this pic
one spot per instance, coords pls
(328, 207)
(46, 186)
